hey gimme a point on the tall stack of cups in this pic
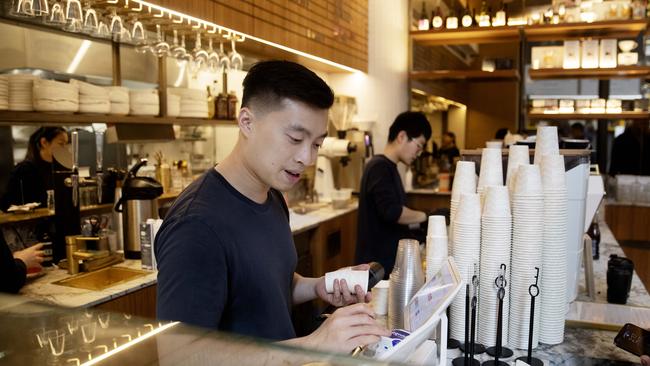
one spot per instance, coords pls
(517, 155)
(496, 232)
(466, 248)
(527, 242)
(405, 280)
(436, 245)
(464, 183)
(554, 270)
(546, 143)
(491, 171)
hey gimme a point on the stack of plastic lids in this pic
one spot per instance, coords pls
(527, 242)
(405, 280)
(119, 99)
(496, 234)
(553, 277)
(144, 102)
(20, 92)
(92, 98)
(4, 93)
(55, 96)
(466, 250)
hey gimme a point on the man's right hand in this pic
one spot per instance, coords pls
(32, 256)
(645, 360)
(345, 329)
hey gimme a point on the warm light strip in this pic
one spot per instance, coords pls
(81, 52)
(129, 344)
(268, 43)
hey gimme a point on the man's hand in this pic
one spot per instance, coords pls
(346, 329)
(32, 256)
(342, 295)
(645, 360)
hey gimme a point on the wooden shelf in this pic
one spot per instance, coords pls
(615, 73)
(466, 36)
(558, 32)
(563, 116)
(546, 32)
(11, 117)
(441, 75)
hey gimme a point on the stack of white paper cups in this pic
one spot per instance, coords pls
(546, 142)
(491, 171)
(464, 183)
(436, 245)
(517, 155)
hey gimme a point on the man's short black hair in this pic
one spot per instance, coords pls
(578, 126)
(451, 135)
(415, 124)
(269, 82)
(501, 133)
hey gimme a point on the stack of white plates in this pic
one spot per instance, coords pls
(92, 98)
(20, 92)
(496, 233)
(405, 280)
(527, 241)
(491, 170)
(517, 155)
(466, 247)
(553, 276)
(55, 96)
(119, 99)
(546, 142)
(144, 102)
(464, 183)
(4, 92)
(437, 242)
(173, 105)
(194, 102)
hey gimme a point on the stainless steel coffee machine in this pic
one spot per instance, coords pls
(137, 204)
(344, 153)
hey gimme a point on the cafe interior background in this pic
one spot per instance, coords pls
(377, 66)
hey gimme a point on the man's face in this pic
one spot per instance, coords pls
(284, 141)
(446, 140)
(411, 148)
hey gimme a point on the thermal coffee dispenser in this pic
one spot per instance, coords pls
(137, 204)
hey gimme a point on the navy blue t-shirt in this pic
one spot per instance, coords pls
(226, 262)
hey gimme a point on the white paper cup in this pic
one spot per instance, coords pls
(437, 226)
(552, 170)
(497, 202)
(517, 155)
(351, 277)
(528, 181)
(546, 142)
(464, 179)
(380, 297)
(495, 144)
(469, 209)
(491, 172)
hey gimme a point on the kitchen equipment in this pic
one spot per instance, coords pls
(137, 204)
(331, 149)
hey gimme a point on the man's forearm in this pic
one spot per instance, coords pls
(410, 216)
(304, 289)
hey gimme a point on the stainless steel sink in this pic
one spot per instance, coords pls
(101, 279)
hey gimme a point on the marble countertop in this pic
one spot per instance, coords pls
(428, 191)
(42, 288)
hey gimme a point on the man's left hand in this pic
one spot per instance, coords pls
(342, 295)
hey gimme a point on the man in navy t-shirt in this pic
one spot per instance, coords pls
(225, 252)
(383, 215)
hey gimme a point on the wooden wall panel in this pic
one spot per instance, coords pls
(336, 30)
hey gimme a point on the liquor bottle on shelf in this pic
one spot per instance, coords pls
(423, 22)
(436, 19)
(500, 18)
(484, 16)
(468, 19)
(452, 21)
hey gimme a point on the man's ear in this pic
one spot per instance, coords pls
(401, 137)
(245, 121)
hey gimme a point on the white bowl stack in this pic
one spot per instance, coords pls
(496, 234)
(20, 92)
(546, 143)
(556, 235)
(194, 102)
(491, 171)
(119, 99)
(517, 155)
(55, 96)
(144, 102)
(4, 93)
(173, 105)
(466, 248)
(527, 242)
(92, 98)
(464, 183)
(437, 242)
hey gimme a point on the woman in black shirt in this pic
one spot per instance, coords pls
(32, 178)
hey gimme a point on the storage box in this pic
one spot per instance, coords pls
(547, 57)
(571, 58)
(607, 57)
(590, 53)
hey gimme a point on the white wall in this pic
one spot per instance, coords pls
(381, 93)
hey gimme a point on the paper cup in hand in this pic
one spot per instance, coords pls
(351, 277)
(380, 297)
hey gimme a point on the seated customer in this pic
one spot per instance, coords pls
(13, 268)
(383, 215)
